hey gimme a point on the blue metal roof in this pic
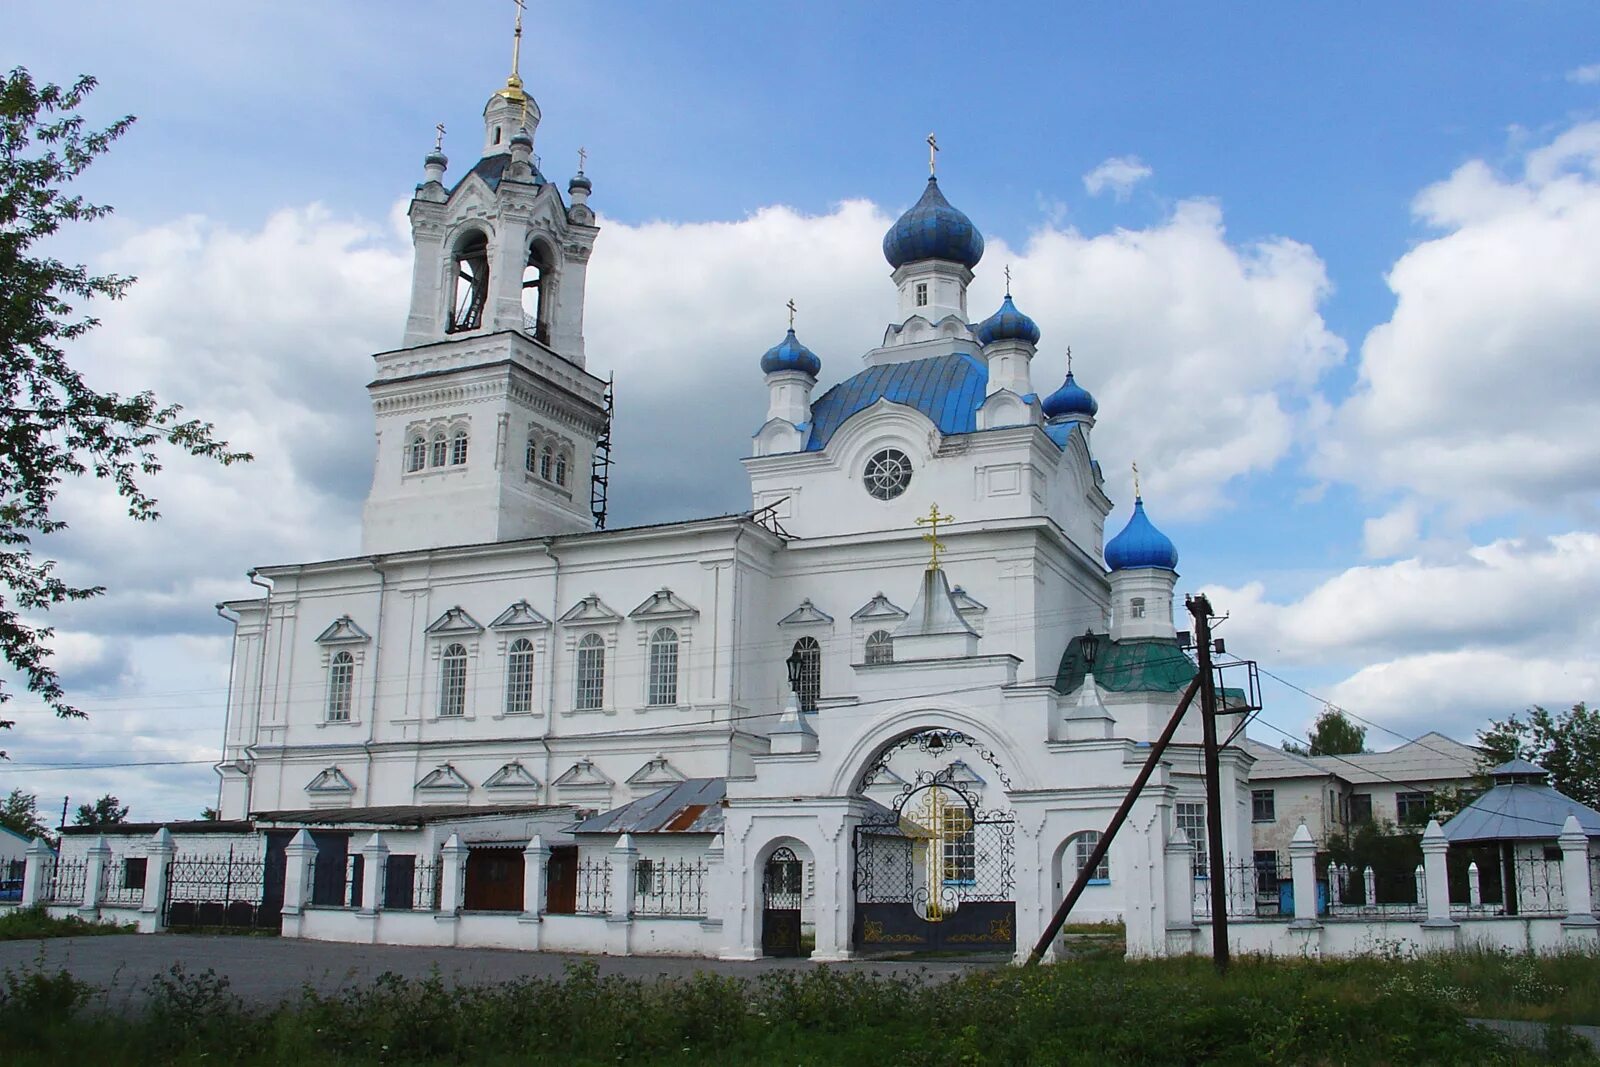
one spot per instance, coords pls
(1059, 430)
(492, 168)
(947, 389)
(1520, 812)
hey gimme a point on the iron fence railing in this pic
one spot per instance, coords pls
(12, 873)
(594, 888)
(411, 885)
(122, 883)
(1256, 889)
(667, 888)
(66, 881)
(1537, 886)
(1368, 893)
(336, 881)
(223, 890)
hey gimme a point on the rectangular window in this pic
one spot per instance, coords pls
(1360, 807)
(1266, 865)
(1411, 808)
(133, 871)
(1136, 607)
(1192, 821)
(922, 294)
(960, 857)
(1263, 806)
(1084, 848)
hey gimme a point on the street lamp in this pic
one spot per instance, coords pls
(795, 663)
(1091, 647)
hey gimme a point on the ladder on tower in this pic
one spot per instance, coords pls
(600, 479)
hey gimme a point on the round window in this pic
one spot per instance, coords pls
(888, 473)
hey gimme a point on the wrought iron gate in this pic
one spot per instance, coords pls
(936, 872)
(222, 891)
(782, 889)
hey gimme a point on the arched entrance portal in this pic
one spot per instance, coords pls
(782, 896)
(934, 869)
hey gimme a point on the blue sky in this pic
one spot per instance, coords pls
(1350, 213)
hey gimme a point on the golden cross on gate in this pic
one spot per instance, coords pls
(933, 146)
(932, 520)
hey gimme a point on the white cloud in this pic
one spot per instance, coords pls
(1392, 533)
(1479, 391)
(1446, 642)
(1119, 174)
(1585, 75)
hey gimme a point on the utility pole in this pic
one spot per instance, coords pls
(64, 801)
(1200, 607)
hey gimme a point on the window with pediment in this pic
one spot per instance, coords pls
(663, 667)
(591, 679)
(519, 677)
(341, 686)
(453, 682)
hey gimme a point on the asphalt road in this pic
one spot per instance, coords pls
(266, 970)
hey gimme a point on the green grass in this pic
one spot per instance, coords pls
(1093, 1011)
(26, 924)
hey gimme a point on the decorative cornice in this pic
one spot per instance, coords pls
(343, 631)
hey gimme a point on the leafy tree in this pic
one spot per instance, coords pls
(1567, 745)
(210, 815)
(107, 811)
(1333, 735)
(20, 812)
(53, 424)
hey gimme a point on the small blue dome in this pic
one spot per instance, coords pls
(1007, 324)
(1070, 399)
(522, 136)
(790, 354)
(932, 229)
(1140, 544)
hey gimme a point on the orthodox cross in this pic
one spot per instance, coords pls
(1008, 279)
(1136, 493)
(933, 146)
(438, 137)
(792, 310)
(932, 520)
(1069, 359)
(583, 156)
(516, 38)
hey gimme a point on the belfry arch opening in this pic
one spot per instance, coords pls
(538, 291)
(469, 262)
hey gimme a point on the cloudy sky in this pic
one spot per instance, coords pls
(1332, 273)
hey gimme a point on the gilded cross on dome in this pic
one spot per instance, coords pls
(932, 520)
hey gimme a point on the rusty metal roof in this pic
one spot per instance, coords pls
(400, 815)
(693, 806)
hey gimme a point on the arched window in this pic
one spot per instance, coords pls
(1083, 844)
(591, 694)
(441, 450)
(663, 667)
(538, 285)
(519, 677)
(341, 685)
(530, 458)
(453, 682)
(880, 647)
(458, 448)
(561, 469)
(470, 264)
(417, 454)
(809, 686)
(545, 460)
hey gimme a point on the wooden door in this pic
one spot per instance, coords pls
(561, 895)
(494, 879)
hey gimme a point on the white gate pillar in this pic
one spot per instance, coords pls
(94, 870)
(38, 865)
(535, 877)
(452, 876)
(624, 863)
(374, 874)
(299, 860)
(1579, 929)
(159, 853)
(1178, 870)
(1306, 927)
(1439, 931)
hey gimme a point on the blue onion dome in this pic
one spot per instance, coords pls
(580, 181)
(932, 229)
(1007, 324)
(1140, 544)
(790, 354)
(1070, 399)
(435, 158)
(522, 136)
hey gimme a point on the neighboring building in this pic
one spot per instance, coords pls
(939, 771)
(13, 846)
(1332, 793)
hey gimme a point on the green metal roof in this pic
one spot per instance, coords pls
(1136, 665)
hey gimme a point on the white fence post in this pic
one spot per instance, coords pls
(624, 861)
(1179, 875)
(1439, 931)
(159, 855)
(37, 868)
(1474, 886)
(452, 876)
(98, 857)
(374, 873)
(535, 877)
(1369, 883)
(299, 861)
(1303, 870)
(1579, 929)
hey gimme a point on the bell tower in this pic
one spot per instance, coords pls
(487, 422)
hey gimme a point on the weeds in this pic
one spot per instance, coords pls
(26, 924)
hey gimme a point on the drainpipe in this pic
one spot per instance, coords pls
(554, 661)
(233, 658)
(261, 659)
(733, 639)
(377, 652)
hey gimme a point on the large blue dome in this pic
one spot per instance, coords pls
(932, 229)
(790, 354)
(1007, 324)
(1070, 399)
(1140, 544)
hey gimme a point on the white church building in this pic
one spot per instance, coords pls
(890, 706)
